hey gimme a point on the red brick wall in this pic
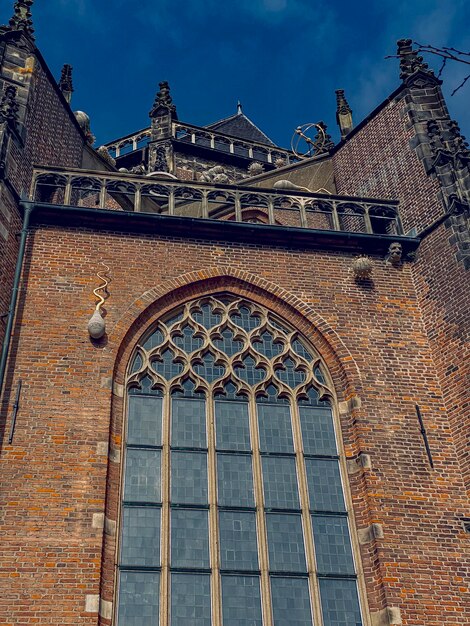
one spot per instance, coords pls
(52, 138)
(54, 476)
(378, 161)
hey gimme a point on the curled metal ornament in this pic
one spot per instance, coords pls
(96, 323)
(303, 145)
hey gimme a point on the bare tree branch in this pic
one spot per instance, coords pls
(446, 53)
(461, 84)
(439, 74)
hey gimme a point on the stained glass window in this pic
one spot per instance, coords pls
(231, 462)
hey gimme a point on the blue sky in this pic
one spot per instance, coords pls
(282, 58)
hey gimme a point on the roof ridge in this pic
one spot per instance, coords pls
(224, 120)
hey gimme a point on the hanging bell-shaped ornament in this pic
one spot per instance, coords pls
(96, 326)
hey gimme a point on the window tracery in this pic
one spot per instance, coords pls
(233, 509)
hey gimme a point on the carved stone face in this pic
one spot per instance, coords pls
(394, 252)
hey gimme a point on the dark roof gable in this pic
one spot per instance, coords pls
(239, 125)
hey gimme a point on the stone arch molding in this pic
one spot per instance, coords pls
(152, 304)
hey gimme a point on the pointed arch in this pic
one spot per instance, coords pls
(147, 308)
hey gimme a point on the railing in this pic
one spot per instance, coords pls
(206, 138)
(225, 143)
(149, 194)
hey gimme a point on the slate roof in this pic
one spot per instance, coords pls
(239, 125)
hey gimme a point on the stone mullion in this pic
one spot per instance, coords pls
(216, 591)
(165, 529)
(263, 557)
(306, 518)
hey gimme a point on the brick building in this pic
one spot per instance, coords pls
(233, 436)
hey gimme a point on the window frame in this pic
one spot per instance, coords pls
(213, 508)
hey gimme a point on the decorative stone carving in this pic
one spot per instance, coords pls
(287, 184)
(163, 102)
(9, 106)
(343, 113)
(22, 18)
(84, 123)
(96, 324)
(435, 137)
(410, 60)
(139, 169)
(322, 141)
(65, 82)
(104, 154)
(395, 252)
(280, 162)
(458, 142)
(362, 267)
(162, 158)
(255, 168)
(215, 174)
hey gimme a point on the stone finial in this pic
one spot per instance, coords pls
(9, 106)
(322, 142)
(65, 82)
(163, 102)
(410, 60)
(239, 108)
(343, 114)
(22, 18)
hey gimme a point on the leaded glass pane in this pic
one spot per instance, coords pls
(245, 320)
(324, 485)
(140, 544)
(154, 340)
(186, 340)
(291, 602)
(188, 477)
(235, 480)
(190, 600)
(267, 345)
(142, 476)
(280, 483)
(227, 343)
(138, 598)
(275, 429)
(285, 542)
(290, 374)
(189, 538)
(318, 433)
(340, 602)
(232, 425)
(166, 366)
(332, 544)
(144, 425)
(208, 370)
(137, 364)
(250, 372)
(301, 350)
(241, 601)
(238, 545)
(205, 316)
(188, 423)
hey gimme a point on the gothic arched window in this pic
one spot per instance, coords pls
(233, 508)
